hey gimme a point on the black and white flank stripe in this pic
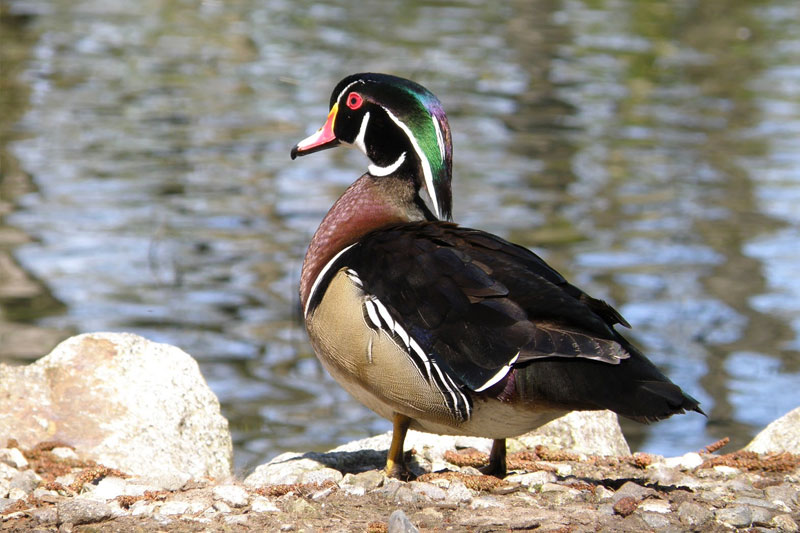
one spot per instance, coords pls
(378, 317)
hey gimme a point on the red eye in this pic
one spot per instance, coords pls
(354, 100)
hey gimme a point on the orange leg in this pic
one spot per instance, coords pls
(395, 462)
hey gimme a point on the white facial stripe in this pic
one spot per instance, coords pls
(346, 89)
(426, 165)
(359, 142)
(375, 170)
(439, 138)
(322, 275)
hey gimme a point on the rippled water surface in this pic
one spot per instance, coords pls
(649, 150)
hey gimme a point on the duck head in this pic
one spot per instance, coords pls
(400, 126)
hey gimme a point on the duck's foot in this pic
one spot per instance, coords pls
(497, 460)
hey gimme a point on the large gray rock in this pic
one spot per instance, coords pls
(781, 435)
(122, 401)
(588, 432)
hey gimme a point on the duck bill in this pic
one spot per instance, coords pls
(324, 137)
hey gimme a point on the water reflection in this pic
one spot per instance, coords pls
(646, 149)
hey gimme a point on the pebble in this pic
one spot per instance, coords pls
(173, 508)
(725, 470)
(5, 502)
(784, 523)
(142, 508)
(233, 495)
(64, 453)
(405, 495)
(532, 479)
(236, 519)
(457, 493)
(108, 488)
(82, 511)
(655, 506)
(399, 523)
(632, 490)
(222, 507)
(45, 515)
(27, 480)
(736, 516)
(657, 521)
(323, 493)
(17, 494)
(784, 493)
(261, 504)
(13, 457)
(363, 482)
(602, 493)
(484, 502)
(428, 490)
(687, 461)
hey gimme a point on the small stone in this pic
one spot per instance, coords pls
(108, 488)
(633, 490)
(725, 470)
(173, 507)
(222, 507)
(47, 496)
(142, 508)
(322, 493)
(693, 515)
(45, 515)
(406, 496)
(655, 520)
(17, 494)
(761, 515)
(82, 511)
(5, 502)
(687, 461)
(368, 481)
(625, 506)
(170, 481)
(736, 516)
(564, 469)
(260, 504)
(236, 519)
(303, 509)
(428, 490)
(532, 479)
(27, 480)
(287, 527)
(655, 506)
(62, 452)
(784, 523)
(5, 485)
(233, 495)
(457, 493)
(13, 457)
(602, 493)
(399, 523)
(784, 493)
(485, 502)
(662, 474)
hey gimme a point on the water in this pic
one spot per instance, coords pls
(649, 150)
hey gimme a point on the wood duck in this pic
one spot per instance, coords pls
(442, 328)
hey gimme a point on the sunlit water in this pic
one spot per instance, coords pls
(649, 150)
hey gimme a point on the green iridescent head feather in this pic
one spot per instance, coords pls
(422, 113)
